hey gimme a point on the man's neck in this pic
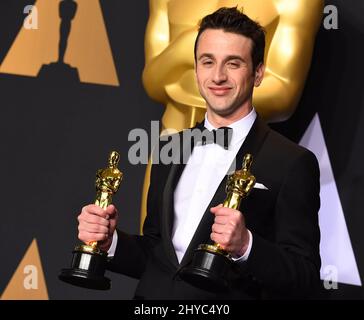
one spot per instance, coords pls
(223, 121)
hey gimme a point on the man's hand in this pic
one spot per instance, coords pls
(97, 224)
(229, 230)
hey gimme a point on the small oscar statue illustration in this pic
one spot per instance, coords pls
(211, 265)
(89, 261)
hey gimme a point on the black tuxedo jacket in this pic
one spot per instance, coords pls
(284, 261)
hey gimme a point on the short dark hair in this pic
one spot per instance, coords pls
(235, 21)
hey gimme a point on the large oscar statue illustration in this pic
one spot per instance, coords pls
(211, 265)
(89, 261)
(169, 76)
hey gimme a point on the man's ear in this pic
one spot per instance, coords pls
(259, 74)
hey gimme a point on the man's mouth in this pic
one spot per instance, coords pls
(220, 91)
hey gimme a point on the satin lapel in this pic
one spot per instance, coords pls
(168, 210)
(252, 144)
(174, 175)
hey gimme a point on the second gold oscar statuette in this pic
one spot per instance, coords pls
(89, 261)
(211, 265)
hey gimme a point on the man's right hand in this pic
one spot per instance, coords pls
(97, 224)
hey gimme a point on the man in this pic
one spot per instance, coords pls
(274, 238)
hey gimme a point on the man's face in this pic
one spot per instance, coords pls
(224, 71)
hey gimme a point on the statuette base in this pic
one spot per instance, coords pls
(209, 269)
(87, 269)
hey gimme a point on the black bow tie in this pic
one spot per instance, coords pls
(220, 136)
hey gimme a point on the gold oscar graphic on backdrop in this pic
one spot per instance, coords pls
(169, 75)
(71, 43)
(28, 281)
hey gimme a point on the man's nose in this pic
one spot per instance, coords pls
(219, 75)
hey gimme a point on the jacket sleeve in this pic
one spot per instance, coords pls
(291, 264)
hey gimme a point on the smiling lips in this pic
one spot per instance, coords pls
(220, 91)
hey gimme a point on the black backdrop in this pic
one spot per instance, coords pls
(53, 136)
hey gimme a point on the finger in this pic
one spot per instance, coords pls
(218, 228)
(217, 239)
(221, 239)
(213, 209)
(95, 210)
(222, 211)
(223, 229)
(221, 220)
(88, 236)
(90, 218)
(111, 210)
(217, 210)
(93, 228)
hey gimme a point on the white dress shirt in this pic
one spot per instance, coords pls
(203, 173)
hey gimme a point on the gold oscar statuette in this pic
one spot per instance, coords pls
(89, 261)
(211, 265)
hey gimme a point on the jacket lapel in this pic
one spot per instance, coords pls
(168, 210)
(252, 144)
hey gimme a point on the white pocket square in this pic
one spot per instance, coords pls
(260, 186)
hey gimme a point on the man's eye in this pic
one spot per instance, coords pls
(234, 64)
(207, 62)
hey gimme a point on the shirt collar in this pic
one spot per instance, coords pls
(240, 128)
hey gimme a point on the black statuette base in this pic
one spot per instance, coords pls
(208, 271)
(87, 271)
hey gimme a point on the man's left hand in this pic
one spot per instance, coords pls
(229, 230)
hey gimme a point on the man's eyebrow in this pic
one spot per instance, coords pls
(206, 55)
(228, 58)
(234, 57)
